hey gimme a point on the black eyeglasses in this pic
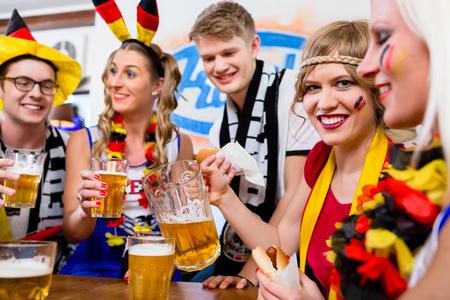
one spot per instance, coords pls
(26, 84)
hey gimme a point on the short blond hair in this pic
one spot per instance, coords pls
(224, 20)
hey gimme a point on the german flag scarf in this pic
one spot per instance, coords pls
(373, 165)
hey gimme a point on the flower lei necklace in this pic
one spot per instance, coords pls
(372, 251)
(116, 149)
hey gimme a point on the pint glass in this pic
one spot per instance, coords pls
(26, 269)
(150, 261)
(114, 173)
(181, 205)
(147, 233)
(29, 164)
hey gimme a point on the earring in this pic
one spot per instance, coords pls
(155, 93)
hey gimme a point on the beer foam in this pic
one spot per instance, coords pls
(111, 173)
(194, 212)
(151, 250)
(20, 168)
(26, 267)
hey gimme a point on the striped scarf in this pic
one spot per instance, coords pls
(49, 203)
(256, 129)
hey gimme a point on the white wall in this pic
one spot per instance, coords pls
(299, 17)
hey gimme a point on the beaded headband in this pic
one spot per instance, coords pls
(331, 59)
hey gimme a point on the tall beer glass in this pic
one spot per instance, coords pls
(150, 266)
(148, 233)
(26, 269)
(114, 173)
(29, 164)
(181, 205)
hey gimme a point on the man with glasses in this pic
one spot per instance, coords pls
(33, 78)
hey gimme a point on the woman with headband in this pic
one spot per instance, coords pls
(137, 76)
(347, 113)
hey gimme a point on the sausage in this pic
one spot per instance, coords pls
(272, 254)
(271, 262)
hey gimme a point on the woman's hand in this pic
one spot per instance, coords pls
(269, 289)
(89, 188)
(223, 282)
(218, 175)
(6, 163)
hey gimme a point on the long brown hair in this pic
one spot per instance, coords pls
(166, 104)
(349, 39)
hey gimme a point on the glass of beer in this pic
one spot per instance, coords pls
(26, 269)
(113, 172)
(181, 205)
(147, 233)
(29, 164)
(150, 261)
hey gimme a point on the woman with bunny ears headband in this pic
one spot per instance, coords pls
(136, 76)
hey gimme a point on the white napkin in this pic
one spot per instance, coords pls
(242, 162)
(289, 277)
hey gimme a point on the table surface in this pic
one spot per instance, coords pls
(97, 288)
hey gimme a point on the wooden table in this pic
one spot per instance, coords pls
(96, 288)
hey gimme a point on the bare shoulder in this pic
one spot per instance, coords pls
(78, 145)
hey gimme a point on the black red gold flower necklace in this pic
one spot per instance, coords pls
(116, 149)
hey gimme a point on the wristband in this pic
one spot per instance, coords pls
(251, 283)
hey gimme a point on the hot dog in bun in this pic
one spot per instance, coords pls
(204, 153)
(272, 262)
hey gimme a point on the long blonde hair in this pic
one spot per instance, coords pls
(166, 104)
(429, 21)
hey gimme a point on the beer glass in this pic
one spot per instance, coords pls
(148, 233)
(150, 261)
(26, 269)
(113, 172)
(29, 164)
(181, 205)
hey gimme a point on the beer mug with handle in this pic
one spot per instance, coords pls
(29, 164)
(181, 205)
(26, 269)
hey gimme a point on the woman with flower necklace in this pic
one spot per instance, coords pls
(415, 36)
(136, 77)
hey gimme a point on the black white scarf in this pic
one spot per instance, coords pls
(256, 129)
(49, 203)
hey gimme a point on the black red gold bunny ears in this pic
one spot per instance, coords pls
(109, 11)
(147, 24)
(147, 21)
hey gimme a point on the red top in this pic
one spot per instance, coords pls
(332, 212)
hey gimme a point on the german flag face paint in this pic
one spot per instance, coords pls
(393, 60)
(360, 105)
(386, 57)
